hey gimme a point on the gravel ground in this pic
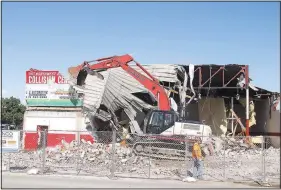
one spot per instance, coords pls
(232, 160)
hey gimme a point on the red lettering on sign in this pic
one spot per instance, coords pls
(37, 80)
(44, 77)
(61, 80)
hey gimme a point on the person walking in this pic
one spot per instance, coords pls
(198, 161)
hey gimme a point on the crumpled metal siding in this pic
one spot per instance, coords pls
(93, 92)
(115, 91)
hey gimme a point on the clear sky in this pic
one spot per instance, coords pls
(55, 36)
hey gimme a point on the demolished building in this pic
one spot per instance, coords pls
(214, 94)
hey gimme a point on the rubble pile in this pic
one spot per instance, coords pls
(21, 160)
(93, 158)
(232, 159)
(236, 160)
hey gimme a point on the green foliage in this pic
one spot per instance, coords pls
(12, 111)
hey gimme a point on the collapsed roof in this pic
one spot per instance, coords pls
(119, 91)
(123, 96)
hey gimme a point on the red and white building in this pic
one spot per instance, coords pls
(51, 107)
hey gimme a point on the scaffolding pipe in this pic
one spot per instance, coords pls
(232, 121)
(247, 100)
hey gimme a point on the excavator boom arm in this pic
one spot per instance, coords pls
(123, 61)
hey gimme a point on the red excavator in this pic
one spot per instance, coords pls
(122, 61)
(163, 124)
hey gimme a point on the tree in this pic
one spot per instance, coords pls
(12, 111)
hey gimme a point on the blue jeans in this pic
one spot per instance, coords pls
(198, 169)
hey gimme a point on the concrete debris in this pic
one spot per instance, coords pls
(218, 144)
(4, 167)
(189, 179)
(231, 156)
(133, 169)
(33, 171)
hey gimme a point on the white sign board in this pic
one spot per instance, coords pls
(10, 140)
(46, 85)
(57, 91)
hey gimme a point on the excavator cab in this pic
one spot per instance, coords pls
(158, 121)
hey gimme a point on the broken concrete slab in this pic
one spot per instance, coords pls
(33, 171)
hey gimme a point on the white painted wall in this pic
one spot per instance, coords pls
(50, 114)
(59, 121)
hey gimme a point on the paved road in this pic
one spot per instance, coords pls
(12, 180)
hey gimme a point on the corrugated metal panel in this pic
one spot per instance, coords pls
(94, 91)
(115, 91)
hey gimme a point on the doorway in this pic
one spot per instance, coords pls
(42, 131)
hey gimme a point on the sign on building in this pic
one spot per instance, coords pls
(48, 88)
(10, 140)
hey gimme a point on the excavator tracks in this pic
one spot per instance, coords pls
(159, 148)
